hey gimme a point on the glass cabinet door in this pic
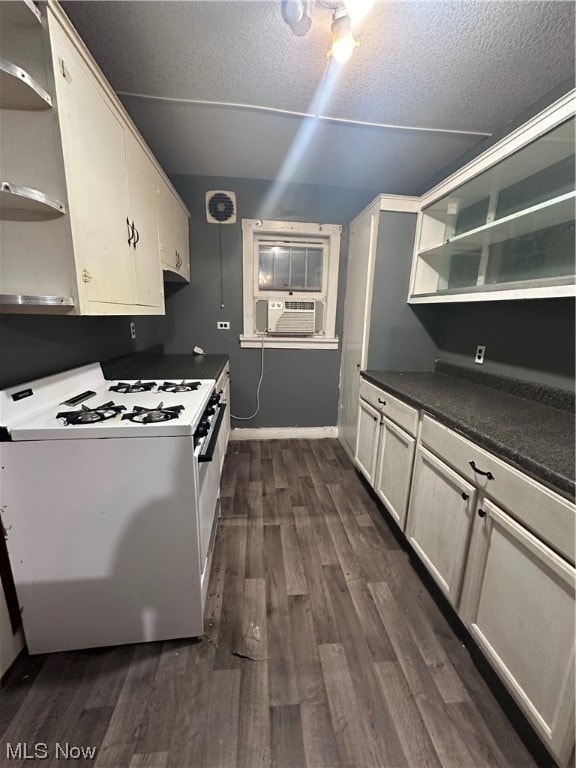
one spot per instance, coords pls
(510, 227)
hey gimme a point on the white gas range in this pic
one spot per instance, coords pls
(109, 501)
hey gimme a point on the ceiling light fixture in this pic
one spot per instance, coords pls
(343, 41)
(297, 14)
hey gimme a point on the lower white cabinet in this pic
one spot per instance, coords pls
(518, 604)
(394, 469)
(385, 442)
(439, 521)
(367, 440)
(499, 545)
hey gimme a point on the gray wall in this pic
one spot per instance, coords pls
(531, 340)
(32, 346)
(401, 336)
(300, 387)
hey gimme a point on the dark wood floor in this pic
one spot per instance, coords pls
(322, 648)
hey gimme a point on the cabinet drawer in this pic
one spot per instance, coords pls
(404, 415)
(545, 513)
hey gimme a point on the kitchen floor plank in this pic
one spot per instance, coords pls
(357, 665)
(306, 655)
(221, 732)
(192, 692)
(122, 734)
(414, 737)
(254, 635)
(320, 747)
(322, 612)
(254, 718)
(149, 760)
(372, 704)
(231, 615)
(449, 742)
(287, 746)
(292, 556)
(355, 741)
(281, 667)
(291, 470)
(16, 686)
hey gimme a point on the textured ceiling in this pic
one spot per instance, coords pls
(468, 66)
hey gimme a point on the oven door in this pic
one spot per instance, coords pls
(209, 463)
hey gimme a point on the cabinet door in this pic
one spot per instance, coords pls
(96, 180)
(367, 440)
(182, 241)
(518, 603)
(143, 216)
(355, 332)
(393, 469)
(439, 520)
(173, 232)
(166, 225)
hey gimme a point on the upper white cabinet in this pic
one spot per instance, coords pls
(80, 221)
(503, 226)
(173, 234)
(381, 241)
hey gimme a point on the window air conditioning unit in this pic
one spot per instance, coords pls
(291, 318)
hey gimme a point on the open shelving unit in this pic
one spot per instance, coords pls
(504, 227)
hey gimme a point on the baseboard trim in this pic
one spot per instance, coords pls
(283, 433)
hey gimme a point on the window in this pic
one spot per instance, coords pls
(289, 266)
(290, 284)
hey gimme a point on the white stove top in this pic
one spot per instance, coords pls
(30, 411)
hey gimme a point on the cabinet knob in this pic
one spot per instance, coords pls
(481, 513)
(375, 418)
(383, 402)
(465, 496)
(130, 232)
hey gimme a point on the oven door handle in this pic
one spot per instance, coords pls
(209, 455)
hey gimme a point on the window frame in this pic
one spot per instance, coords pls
(255, 230)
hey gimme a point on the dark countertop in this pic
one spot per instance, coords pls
(154, 364)
(535, 438)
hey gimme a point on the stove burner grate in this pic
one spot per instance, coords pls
(154, 415)
(90, 415)
(127, 389)
(183, 386)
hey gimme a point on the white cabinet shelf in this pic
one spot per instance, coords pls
(25, 204)
(503, 226)
(534, 219)
(18, 90)
(31, 304)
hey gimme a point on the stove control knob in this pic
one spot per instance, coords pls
(203, 429)
(210, 411)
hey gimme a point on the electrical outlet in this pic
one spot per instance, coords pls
(480, 350)
(132, 330)
(223, 325)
